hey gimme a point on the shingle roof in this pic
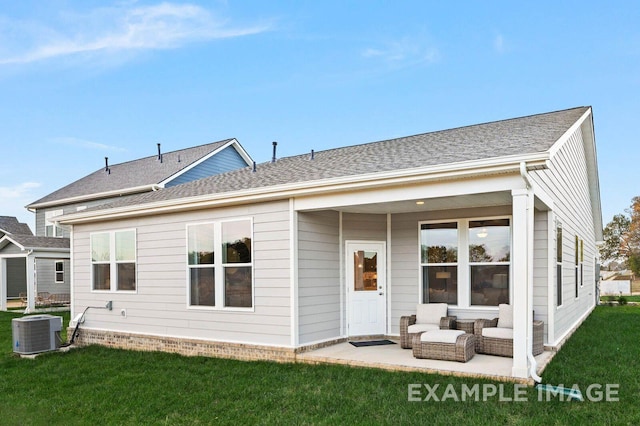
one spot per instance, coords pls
(131, 174)
(525, 135)
(10, 224)
(35, 243)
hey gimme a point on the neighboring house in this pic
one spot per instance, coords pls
(101, 188)
(19, 251)
(310, 250)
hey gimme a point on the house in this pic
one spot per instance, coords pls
(19, 252)
(269, 261)
(47, 254)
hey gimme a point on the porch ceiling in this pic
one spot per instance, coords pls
(442, 203)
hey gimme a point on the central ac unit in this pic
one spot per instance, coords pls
(37, 333)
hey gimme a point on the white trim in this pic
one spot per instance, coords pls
(566, 135)
(113, 263)
(463, 265)
(218, 266)
(552, 263)
(389, 283)
(343, 323)
(55, 271)
(95, 196)
(293, 271)
(371, 180)
(383, 250)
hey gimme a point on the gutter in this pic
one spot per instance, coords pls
(309, 188)
(107, 194)
(533, 365)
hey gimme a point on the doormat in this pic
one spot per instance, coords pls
(372, 343)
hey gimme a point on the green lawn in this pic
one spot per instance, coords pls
(96, 385)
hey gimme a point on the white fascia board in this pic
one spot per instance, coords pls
(421, 190)
(96, 196)
(232, 142)
(467, 169)
(566, 135)
(592, 165)
(7, 239)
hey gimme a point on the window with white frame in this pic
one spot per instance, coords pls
(439, 262)
(113, 260)
(581, 263)
(50, 228)
(577, 263)
(59, 271)
(220, 263)
(489, 261)
(485, 266)
(559, 264)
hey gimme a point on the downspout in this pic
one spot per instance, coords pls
(533, 365)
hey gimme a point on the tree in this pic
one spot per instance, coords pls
(615, 247)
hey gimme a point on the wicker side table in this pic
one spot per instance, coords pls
(465, 325)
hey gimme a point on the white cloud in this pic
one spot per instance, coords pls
(82, 143)
(404, 52)
(112, 30)
(19, 191)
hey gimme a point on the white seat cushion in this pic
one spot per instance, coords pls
(505, 316)
(418, 328)
(441, 336)
(430, 313)
(498, 332)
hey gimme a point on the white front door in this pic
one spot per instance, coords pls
(366, 287)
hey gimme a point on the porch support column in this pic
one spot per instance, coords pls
(522, 321)
(3, 284)
(31, 284)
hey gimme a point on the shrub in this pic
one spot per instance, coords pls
(622, 300)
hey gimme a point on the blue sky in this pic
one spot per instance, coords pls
(81, 80)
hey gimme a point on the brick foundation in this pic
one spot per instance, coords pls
(187, 347)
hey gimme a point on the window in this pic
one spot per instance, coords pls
(220, 263)
(559, 264)
(113, 254)
(576, 264)
(485, 266)
(50, 228)
(489, 257)
(439, 262)
(581, 263)
(59, 271)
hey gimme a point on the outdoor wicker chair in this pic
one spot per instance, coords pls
(428, 317)
(495, 336)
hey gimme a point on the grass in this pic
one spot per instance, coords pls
(604, 299)
(96, 385)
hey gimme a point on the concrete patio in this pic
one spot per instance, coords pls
(393, 357)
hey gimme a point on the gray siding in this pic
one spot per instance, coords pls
(541, 268)
(318, 276)
(159, 306)
(16, 277)
(46, 277)
(224, 161)
(369, 227)
(566, 181)
(66, 209)
(11, 249)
